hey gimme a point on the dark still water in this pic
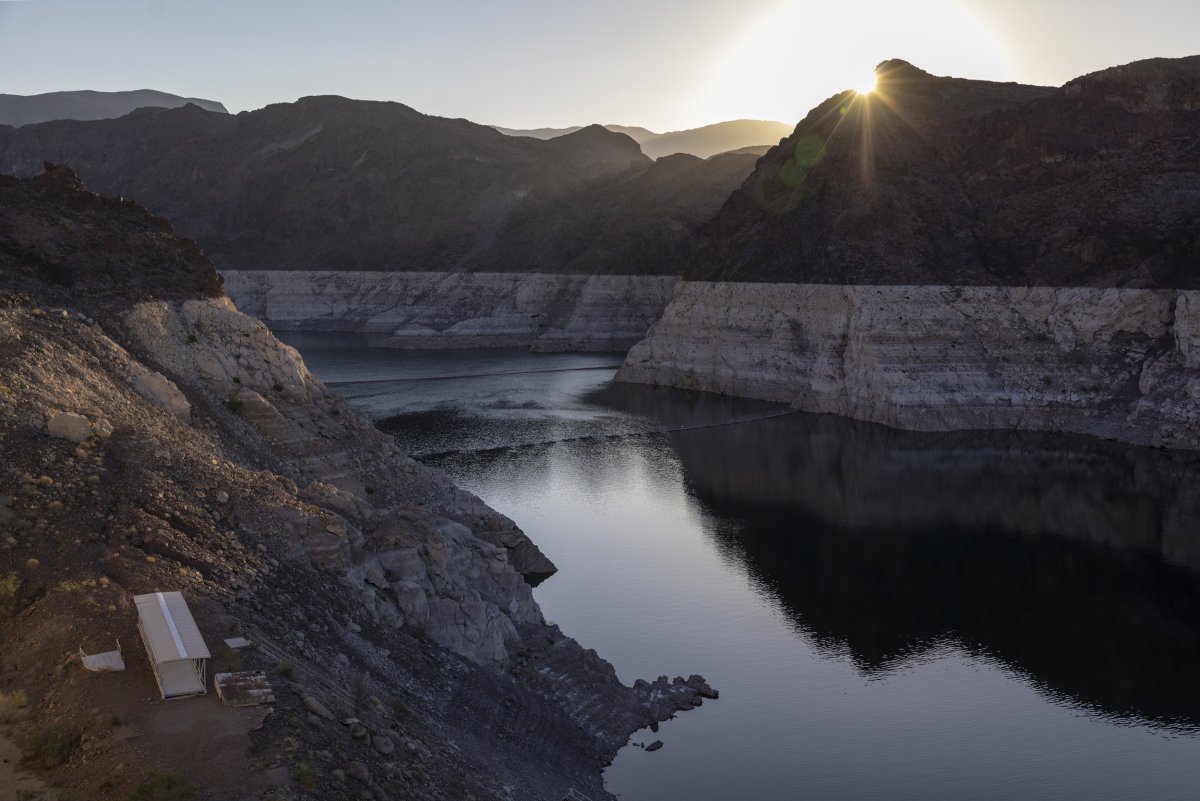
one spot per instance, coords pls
(888, 615)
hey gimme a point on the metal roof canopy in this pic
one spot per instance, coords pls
(174, 644)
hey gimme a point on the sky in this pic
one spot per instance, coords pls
(662, 64)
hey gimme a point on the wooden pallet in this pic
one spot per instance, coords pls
(247, 688)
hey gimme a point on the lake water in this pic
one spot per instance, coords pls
(888, 615)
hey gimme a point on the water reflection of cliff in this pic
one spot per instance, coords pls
(1074, 561)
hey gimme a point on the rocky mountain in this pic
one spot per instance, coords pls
(18, 110)
(706, 141)
(157, 439)
(952, 254)
(935, 180)
(330, 183)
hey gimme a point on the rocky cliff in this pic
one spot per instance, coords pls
(1116, 363)
(450, 310)
(333, 184)
(948, 254)
(158, 439)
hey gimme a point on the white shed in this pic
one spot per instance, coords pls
(178, 655)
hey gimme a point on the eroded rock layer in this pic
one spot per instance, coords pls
(1118, 363)
(452, 310)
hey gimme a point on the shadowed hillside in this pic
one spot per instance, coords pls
(933, 180)
(330, 183)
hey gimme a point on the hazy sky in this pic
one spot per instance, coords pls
(665, 64)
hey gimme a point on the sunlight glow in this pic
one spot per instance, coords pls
(866, 85)
(800, 52)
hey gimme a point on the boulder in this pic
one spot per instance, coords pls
(69, 426)
(317, 708)
(161, 391)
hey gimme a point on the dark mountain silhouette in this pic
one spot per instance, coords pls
(331, 183)
(19, 110)
(706, 141)
(933, 180)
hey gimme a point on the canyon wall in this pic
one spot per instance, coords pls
(459, 310)
(1117, 363)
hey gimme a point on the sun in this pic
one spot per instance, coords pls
(866, 85)
(761, 73)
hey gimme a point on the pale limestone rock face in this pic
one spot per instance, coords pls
(69, 426)
(1117, 363)
(450, 310)
(437, 559)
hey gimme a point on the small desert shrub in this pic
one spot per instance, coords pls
(11, 705)
(287, 669)
(235, 404)
(163, 785)
(70, 587)
(46, 746)
(277, 387)
(192, 338)
(306, 775)
(9, 586)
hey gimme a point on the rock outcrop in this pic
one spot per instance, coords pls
(447, 310)
(158, 438)
(950, 254)
(333, 184)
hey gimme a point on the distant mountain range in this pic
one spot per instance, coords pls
(19, 110)
(331, 183)
(722, 137)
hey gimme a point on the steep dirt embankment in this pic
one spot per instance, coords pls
(450, 310)
(957, 254)
(155, 438)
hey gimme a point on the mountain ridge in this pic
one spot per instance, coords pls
(88, 104)
(331, 183)
(705, 141)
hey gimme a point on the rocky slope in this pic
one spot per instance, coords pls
(957, 254)
(18, 110)
(158, 439)
(705, 141)
(328, 183)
